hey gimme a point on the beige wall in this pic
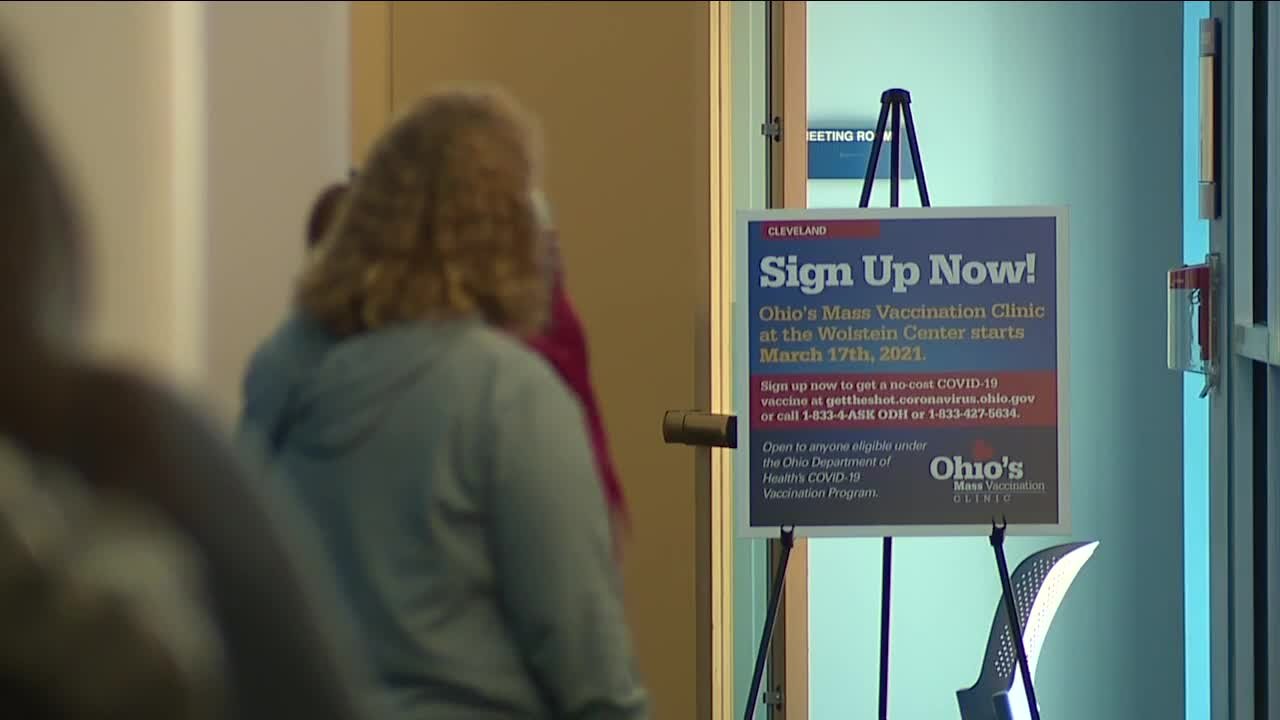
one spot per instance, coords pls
(623, 92)
(278, 128)
(196, 134)
(103, 78)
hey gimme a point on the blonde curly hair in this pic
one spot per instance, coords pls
(440, 223)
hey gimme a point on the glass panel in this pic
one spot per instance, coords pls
(1030, 103)
(1195, 411)
(750, 567)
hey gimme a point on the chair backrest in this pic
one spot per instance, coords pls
(1039, 584)
(1001, 707)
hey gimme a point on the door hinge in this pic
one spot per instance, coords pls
(772, 129)
(772, 698)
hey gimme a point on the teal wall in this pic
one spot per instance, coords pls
(1075, 103)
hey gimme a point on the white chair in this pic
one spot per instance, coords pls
(1040, 582)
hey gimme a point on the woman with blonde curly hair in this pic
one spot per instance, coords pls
(562, 342)
(444, 463)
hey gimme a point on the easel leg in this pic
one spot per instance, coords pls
(895, 156)
(873, 161)
(898, 103)
(1015, 624)
(886, 580)
(914, 145)
(775, 599)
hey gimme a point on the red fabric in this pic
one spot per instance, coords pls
(564, 344)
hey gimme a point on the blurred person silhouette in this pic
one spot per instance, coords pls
(561, 341)
(103, 612)
(445, 463)
(119, 502)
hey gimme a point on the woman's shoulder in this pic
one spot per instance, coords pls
(507, 364)
(295, 335)
(504, 353)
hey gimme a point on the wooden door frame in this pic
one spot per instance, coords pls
(718, 667)
(788, 188)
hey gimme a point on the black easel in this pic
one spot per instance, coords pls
(775, 599)
(1011, 608)
(895, 106)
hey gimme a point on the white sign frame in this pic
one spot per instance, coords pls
(742, 372)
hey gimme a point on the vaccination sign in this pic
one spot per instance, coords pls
(907, 371)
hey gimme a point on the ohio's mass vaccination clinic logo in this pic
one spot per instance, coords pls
(985, 477)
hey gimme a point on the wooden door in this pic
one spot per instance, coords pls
(626, 94)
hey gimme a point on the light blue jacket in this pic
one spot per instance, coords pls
(449, 473)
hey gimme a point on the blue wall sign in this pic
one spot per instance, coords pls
(843, 154)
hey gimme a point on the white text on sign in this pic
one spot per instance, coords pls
(779, 271)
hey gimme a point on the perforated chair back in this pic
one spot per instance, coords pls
(1039, 584)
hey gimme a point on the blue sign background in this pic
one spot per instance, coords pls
(979, 239)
